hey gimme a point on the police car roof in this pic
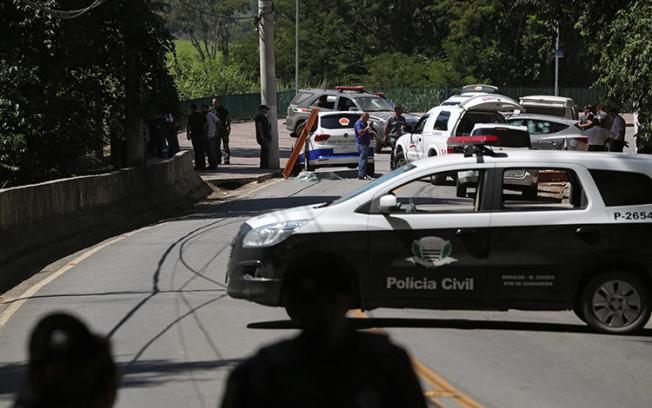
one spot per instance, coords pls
(590, 160)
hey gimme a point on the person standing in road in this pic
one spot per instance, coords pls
(618, 129)
(212, 124)
(363, 139)
(394, 130)
(329, 364)
(223, 131)
(263, 135)
(197, 134)
(598, 136)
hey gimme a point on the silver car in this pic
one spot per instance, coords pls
(551, 132)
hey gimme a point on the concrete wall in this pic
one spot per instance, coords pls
(35, 216)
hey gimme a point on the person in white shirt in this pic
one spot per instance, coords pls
(211, 129)
(599, 135)
(618, 129)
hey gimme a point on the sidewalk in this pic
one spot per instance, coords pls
(245, 157)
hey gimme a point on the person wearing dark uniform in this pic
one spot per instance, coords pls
(618, 125)
(263, 135)
(394, 130)
(329, 364)
(223, 132)
(197, 134)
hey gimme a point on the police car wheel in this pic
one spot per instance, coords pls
(399, 160)
(616, 302)
(371, 169)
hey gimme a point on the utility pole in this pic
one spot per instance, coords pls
(134, 122)
(557, 56)
(296, 48)
(268, 73)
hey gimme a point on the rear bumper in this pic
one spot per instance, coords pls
(324, 157)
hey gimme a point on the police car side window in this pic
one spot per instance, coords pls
(441, 123)
(541, 189)
(619, 188)
(439, 193)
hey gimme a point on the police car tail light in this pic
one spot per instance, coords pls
(474, 140)
(321, 137)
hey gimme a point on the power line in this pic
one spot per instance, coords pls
(64, 14)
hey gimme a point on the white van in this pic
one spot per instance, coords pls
(550, 105)
(456, 116)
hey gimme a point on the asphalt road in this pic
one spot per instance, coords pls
(159, 293)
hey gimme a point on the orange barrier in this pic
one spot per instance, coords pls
(301, 141)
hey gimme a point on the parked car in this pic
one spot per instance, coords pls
(332, 143)
(409, 243)
(344, 98)
(454, 117)
(499, 137)
(550, 105)
(552, 132)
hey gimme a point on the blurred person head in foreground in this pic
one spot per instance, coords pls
(328, 363)
(68, 366)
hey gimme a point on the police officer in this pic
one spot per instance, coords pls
(263, 135)
(394, 130)
(329, 364)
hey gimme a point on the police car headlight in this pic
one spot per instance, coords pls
(271, 234)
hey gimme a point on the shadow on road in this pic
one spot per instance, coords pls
(145, 373)
(462, 324)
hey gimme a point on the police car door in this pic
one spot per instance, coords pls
(415, 147)
(432, 248)
(543, 233)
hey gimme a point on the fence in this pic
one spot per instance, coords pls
(245, 106)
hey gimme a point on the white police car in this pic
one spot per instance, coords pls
(581, 243)
(332, 143)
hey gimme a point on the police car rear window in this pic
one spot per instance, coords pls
(301, 98)
(623, 188)
(339, 121)
(507, 137)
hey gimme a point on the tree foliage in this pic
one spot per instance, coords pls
(206, 23)
(626, 62)
(62, 83)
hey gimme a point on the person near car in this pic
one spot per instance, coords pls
(263, 135)
(598, 136)
(329, 364)
(212, 124)
(363, 139)
(223, 132)
(197, 134)
(171, 130)
(589, 117)
(394, 129)
(618, 129)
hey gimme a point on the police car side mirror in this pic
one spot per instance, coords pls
(387, 203)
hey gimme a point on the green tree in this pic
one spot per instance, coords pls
(625, 63)
(207, 23)
(62, 84)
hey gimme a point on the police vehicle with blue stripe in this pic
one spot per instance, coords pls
(331, 143)
(582, 243)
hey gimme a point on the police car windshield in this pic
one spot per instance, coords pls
(373, 104)
(377, 182)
